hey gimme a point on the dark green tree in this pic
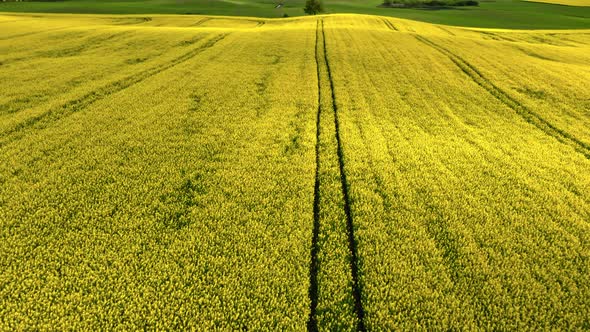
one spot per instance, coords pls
(313, 7)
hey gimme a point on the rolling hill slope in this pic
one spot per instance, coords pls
(511, 14)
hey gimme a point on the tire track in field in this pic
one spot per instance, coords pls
(130, 20)
(312, 323)
(201, 21)
(89, 44)
(12, 21)
(18, 104)
(447, 31)
(497, 36)
(528, 115)
(33, 33)
(259, 23)
(90, 98)
(357, 292)
(389, 24)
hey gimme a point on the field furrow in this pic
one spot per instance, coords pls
(10, 37)
(81, 103)
(312, 324)
(78, 47)
(528, 115)
(539, 71)
(131, 52)
(389, 25)
(352, 245)
(332, 286)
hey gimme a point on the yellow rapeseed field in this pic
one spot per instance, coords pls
(565, 2)
(337, 172)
